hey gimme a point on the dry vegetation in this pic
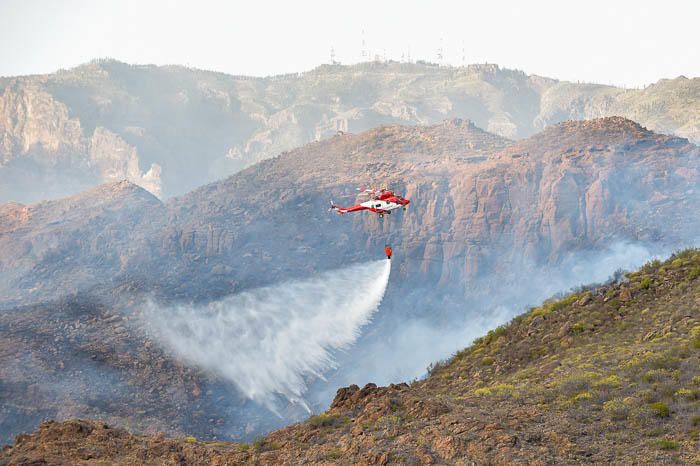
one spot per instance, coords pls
(609, 374)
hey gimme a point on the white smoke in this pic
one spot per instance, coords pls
(267, 340)
(410, 344)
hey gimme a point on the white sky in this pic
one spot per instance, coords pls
(623, 42)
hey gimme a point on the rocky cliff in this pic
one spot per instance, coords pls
(45, 153)
(174, 129)
(482, 207)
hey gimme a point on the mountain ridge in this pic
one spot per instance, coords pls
(570, 180)
(147, 123)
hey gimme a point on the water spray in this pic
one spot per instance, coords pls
(266, 340)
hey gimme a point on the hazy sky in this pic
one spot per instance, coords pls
(624, 42)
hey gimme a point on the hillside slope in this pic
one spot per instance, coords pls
(57, 234)
(171, 129)
(609, 374)
(479, 203)
(486, 212)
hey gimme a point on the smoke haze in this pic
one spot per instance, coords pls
(265, 341)
(398, 349)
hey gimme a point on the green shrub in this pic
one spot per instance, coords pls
(334, 454)
(326, 420)
(614, 303)
(488, 361)
(685, 393)
(645, 283)
(552, 306)
(655, 375)
(641, 416)
(389, 420)
(579, 397)
(394, 405)
(577, 382)
(687, 253)
(665, 361)
(660, 409)
(494, 334)
(648, 396)
(501, 389)
(695, 335)
(578, 327)
(649, 360)
(694, 273)
(258, 443)
(667, 444)
(651, 265)
(608, 383)
(616, 409)
(434, 367)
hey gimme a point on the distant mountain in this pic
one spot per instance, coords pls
(171, 129)
(610, 374)
(492, 223)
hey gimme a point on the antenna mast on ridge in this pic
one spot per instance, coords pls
(364, 47)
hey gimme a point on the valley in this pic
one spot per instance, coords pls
(565, 207)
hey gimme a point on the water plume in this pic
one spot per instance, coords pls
(267, 340)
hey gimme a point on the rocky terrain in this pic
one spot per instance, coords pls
(574, 187)
(74, 270)
(81, 358)
(608, 374)
(171, 129)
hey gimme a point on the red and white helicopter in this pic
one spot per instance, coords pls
(380, 201)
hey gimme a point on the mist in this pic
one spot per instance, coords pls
(267, 340)
(400, 349)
